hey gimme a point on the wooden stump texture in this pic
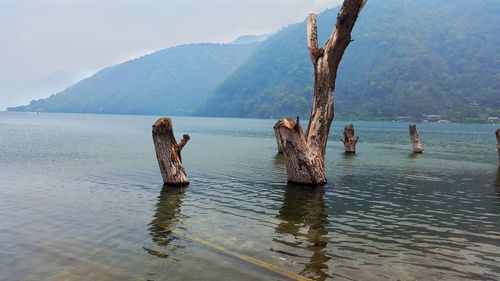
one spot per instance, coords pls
(279, 141)
(168, 152)
(415, 139)
(349, 139)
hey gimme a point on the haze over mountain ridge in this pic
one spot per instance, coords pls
(173, 81)
(408, 58)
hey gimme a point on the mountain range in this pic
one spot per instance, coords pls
(173, 81)
(408, 58)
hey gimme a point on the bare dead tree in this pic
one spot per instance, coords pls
(168, 152)
(305, 153)
(415, 139)
(349, 139)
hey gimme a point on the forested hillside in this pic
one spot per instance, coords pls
(408, 58)
(173, 81)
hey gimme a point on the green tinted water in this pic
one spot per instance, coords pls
(81, 198)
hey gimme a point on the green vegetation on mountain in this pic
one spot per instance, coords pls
(173, 81)
(409, 58)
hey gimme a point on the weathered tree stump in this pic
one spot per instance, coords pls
(279, 141)
(168, 152)
(497, 133)
(415, 139)
(349, 139)
(305, 153)
(303, 165)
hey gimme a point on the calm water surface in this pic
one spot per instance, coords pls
(81, 198)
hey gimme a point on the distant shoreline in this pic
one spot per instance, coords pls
(248, 118)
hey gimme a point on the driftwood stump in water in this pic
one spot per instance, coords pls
(497, 133)
(305, 153)
(349, 139)
(415, 139)
(279, 141)
(168, 152)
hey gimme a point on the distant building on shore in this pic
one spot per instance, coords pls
(443, 121)
(433, 117)
(492, 119)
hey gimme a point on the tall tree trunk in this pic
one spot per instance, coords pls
(349, 139)
(497, 133)
(415, 139)
(305, 153)
(168, 152)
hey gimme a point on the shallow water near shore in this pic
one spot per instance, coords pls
(81, 198)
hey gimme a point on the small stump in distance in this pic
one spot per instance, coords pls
(415, 139)
(168, 152)
(349, 139)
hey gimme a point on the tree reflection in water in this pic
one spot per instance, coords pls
(167, 217)
(302, 229)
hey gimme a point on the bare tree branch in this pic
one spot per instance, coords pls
(312, 39)
(182, 143)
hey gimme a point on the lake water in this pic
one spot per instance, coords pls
(81, 198)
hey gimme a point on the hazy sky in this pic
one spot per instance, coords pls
(46, 45)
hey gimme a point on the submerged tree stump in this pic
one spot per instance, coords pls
(497, 133)
(305, 153)
(303, 165)
(349, 139)
(168, 152)
(279, 141)
(415, 139)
